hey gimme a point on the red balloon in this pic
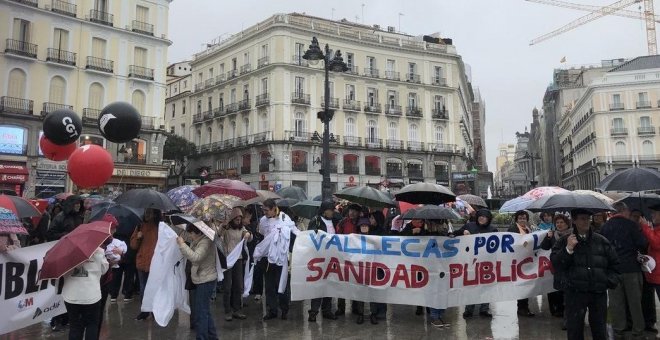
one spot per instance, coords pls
(90, 166)
(56, 152)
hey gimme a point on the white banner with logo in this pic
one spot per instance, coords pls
(428, 271)
(24, 300)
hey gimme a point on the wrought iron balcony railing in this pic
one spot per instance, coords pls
(100, 17)
(143, 27)
(63, 7)
(16, 105)
(61, 57)
(99, 64)
(140, 72)
(22, 48)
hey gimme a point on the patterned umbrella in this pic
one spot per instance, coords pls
(9, 223)
(522, 202)
(214, 207)
(19, 206)
(461, 207)
(474, 200)
(228, 187)
(183, 196)
(541, 192)
(598, 195)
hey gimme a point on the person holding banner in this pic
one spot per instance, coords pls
(521, 227)
(365, 228)
(144, 240)
(651, 231)
(585, 262)
(326, 222)
(204, 275)
(348, 225)
(231, 235)
(481, 226)
(556, 299)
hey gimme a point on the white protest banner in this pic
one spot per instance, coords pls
(24, 300)
(429, 271)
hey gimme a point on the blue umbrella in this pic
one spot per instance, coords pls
(183, 196)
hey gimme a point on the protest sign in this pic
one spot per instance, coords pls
(24, 299)
(429, 271)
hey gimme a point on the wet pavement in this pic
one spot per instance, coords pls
(400, 323)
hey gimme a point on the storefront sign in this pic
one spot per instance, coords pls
(442, 182)
(48, 165)
(140, 173)
(12, 140)
(9, 178)
(415, 180)
(13, 168)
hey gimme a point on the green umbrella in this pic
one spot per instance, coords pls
(366, 196)
(307, 209)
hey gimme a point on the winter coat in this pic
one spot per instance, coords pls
(347, 226)
(514, 229)
(591, 267)
(627, 240)
(230, 237)
(66, 220)
(653, 236)
(202, 255)
(145, 246)
(407, 231)
(475, 228)
(317, 224)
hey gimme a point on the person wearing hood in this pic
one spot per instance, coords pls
(521, 226)
(144, 240)
(481, 226)
(562, 227)
(348, 225)
(230, 235)
(67, 220)
(325, 221)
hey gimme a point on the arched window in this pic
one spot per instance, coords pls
(413, 133)
(57, 92)
(139, 101)
(393, 131)
(299, 124)
(647, 148)
(96, 94)
(439, 134)
(17, 83)
(350, 127)
(372, 131)
(620, 149)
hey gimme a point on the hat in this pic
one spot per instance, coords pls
(354, 207)
(363, 221)
(235, 213)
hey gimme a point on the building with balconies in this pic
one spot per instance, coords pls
(82, 55)
(402, 110)
(613, 125)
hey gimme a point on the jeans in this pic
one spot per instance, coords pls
(204, 325)
(118, 275)
(437, 313)
(577, 304)
(273, 298)
(143, 276)
(232, 295)
(83, 321)
(627, 293)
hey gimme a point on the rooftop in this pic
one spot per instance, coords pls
(639, 63)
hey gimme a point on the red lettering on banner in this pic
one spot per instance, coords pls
(368, 273)
(312, 267)
(333, 267)
(455, 271)
(400, 274)
(419, 276)
(486, 273)
(521, 273)
(544, 265)
(375, 280)
(349, 268)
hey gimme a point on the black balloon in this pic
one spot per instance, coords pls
(120, 122)
(62, 126)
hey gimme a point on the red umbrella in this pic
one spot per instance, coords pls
(74, 249)
(226, 186)
(20, 206)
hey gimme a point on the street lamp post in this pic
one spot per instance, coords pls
(335, 64)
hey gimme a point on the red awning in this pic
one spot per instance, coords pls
(13, 168)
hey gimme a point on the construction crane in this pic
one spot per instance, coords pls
(616, 8)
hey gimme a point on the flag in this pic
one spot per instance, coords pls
(563, 59)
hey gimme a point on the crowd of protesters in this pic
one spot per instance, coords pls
(596, 257)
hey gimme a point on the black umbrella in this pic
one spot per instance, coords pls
(633, 179)
(568, 201)
(640, 201)
(293, 192)
(425, 193)
(307, 209)
(473, 200)
(366, 196)
(431, 212)
(127, 217)
(147, 198)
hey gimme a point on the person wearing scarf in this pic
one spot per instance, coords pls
(521, 226)
(562, 228)
(546, 221)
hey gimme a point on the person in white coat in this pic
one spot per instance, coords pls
(277, 228)
(82, 296)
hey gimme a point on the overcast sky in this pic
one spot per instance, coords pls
(492, 36)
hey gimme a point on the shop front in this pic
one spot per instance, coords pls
(51, 178)
(125, 178)
(13, 176)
